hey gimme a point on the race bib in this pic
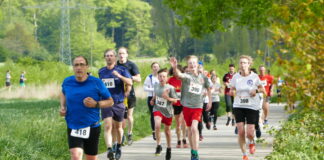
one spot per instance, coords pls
(161, 102)
(195, 88)
(245, 101)
(109, 82)
(264, 83)
(81, 133)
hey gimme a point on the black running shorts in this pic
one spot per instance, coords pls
(90, 145)
(177, 109)
(249, 116)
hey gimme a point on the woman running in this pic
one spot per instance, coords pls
(244, 86)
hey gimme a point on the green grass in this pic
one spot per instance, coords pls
(33, 129)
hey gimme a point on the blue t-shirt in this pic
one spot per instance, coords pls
(114, 84)
(77, 114)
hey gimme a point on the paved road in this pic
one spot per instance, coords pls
(216, 145)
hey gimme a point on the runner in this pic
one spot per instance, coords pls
(215, 91)
(164, 96)
(81, 98)
(266, 81)
(131, 99)
(22, 79)
(244, 86)
(114, 78)
(279, 88)
(204, 113)
(149, 83)
(228, 98)
(259, 122)
(192, 99)
(177, 108)
(8, 78)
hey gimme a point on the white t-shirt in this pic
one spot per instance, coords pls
(243, 86)
(215, 92)
(149, 83)
(206, 98)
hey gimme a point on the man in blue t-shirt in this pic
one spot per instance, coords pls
(115, 79)
(81, 98)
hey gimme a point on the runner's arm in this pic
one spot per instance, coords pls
(105, 103)
(127, 90)
(137, 78)
(62, 104)
(176, 72)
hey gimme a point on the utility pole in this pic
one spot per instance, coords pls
(65, 45)
(65, 40)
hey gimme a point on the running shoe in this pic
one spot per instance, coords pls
(184, 143)
(114, 147)
(235, 131)
(153, 134)
(258, 132)
(110, 154)
(215, 128)
(208, 125)
(158, 150)
(266, 122)
(118, 154)
(168, 154)
(233, 122)
(194, 157)
(130, 139)
(178, 144)
(201, 137)
(245, 158)
(252, 148)
(228, 121)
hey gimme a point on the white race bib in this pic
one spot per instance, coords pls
(81, 133)
(179, 94)
(245, 101)
(195, 88)
(109, 82)
(264, 83)
(161, 102)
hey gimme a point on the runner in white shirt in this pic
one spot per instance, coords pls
(149, 83)
(245, 85)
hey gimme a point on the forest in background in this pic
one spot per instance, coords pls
(149, 28)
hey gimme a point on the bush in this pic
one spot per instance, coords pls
(301, 137)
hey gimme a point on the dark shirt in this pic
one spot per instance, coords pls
(133, 70)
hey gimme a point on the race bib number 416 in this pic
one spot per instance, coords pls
(81, 133)
(109, 82)
(195, 88)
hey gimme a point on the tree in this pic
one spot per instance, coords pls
(297, 30)
(203, 16)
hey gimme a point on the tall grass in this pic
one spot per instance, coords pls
(33, 129)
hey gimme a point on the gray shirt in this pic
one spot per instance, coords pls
(161, 104)
(192, 90)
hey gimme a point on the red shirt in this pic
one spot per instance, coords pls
(227, 78)
(266, 82)
(176, 83)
